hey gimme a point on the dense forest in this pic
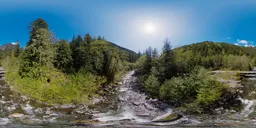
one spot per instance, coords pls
(58, 71)
(181, 76)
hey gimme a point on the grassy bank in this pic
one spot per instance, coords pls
(61, 89)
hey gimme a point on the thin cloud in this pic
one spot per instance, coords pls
(242, 42)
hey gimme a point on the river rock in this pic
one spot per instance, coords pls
(167, 117)
(16, 115)
(137, 103)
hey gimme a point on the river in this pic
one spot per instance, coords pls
(128, 108)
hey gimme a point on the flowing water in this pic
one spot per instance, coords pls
(128, 108)
(134, 108)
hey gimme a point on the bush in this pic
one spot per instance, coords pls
(210, 93)
(152, 85)
(197, 89)
(172, 90)
(183, 89)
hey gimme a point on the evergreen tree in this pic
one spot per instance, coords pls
(154, 53)
(139, 54)
(75, 46)
(148, 62)
(63, 59)
(34, 26)
(99, 38)
(88, 39)
(17, 50)
(168, 61)
(38, 56)
(112, 64)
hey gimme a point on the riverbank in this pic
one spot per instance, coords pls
(61, 89)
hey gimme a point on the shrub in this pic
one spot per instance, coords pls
(152, 85)
(210, 92)
(196, 89)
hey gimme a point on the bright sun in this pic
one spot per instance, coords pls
(149, 28)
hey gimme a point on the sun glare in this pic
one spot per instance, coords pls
(149, 28)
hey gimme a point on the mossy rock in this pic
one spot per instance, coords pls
(167, 117)
(86, 122)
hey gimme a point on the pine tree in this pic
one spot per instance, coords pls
(17, 50)
(168, 60)
(75, 46)
(87, 38)
(148, 62)
(99, 38)
(139, 54)
(34, 26)
(154, 53)
(38, 56)
(112, 64)
(63, 59)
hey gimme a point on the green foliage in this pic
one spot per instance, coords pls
(75, 47)
(37, 24)
(183, 89)
(17, 50)
(34, 26)
(167, 61)
(88, 39)
(58, 72)
(210, 93)
(215, 56)
(98, 57)
(63, 59)
(152, 85)
(198, 88)
(61, 89)
(172, 90)
(237, 62)
(38, 56)
(194, 88)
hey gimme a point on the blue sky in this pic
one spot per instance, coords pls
(123, 21)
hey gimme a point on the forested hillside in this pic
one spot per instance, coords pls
(215, 55)
(10, 48)
(181, 76)
(57, 71)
